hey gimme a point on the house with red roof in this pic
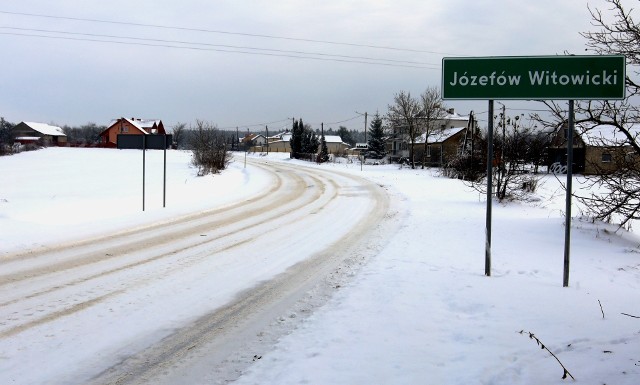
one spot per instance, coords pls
(130, 126)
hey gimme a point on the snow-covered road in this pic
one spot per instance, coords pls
(146, 304)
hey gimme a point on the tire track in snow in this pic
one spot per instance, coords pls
(51, 314)
(136, 239)
(315, 193)
(231, 330)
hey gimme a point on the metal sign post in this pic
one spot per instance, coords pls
(144, 142)
(487, 249)
(567, 227)
(164, 175)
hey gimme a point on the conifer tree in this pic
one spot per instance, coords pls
(376, 144)
(324, 151)
(296, 139)
(309, 141)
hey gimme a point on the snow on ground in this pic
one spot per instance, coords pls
(422, 310)
(62, 193)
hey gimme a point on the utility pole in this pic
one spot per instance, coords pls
(365, 127)
(267, 137)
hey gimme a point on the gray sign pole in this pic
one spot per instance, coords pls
(567, 220)
(144, 142)
(164, 175)
(487, 252)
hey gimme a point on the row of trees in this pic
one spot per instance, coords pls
(305, 143)
(86, 134)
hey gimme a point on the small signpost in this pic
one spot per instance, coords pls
(144, 142)
(533, 78)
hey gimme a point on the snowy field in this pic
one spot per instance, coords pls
(420, 312)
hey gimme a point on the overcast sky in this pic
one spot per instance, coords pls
(248, 63)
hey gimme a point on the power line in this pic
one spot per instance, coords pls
(346, 120)
(254, 125)
(217, 50)
(400, 62)
(225, 32)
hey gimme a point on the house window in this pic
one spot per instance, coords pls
(124, 129)
(606, 158)
(428, 151)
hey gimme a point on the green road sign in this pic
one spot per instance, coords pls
(534, 77)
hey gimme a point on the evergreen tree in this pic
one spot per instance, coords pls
(6, 136)
(346, 136)
(377, 147)
(324, 151)
(296, 139)
(309, 141)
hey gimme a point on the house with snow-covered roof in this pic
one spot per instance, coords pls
(449, 121)
(132, 126)
(281, 142)
(253, 139)
(39, 133)
(335, 145)
(443, 145)
(597, 149)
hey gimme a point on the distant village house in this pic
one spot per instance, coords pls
(281, 143)
(443, 145)
(596, 150)
(39, 133)
(444, 141)
(132, 126)
(252, 140)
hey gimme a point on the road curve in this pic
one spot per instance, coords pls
(147, 305)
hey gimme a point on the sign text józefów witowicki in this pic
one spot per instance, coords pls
(535, 77)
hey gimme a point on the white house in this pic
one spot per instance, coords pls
(32, 132)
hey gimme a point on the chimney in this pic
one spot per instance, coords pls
(451, 111)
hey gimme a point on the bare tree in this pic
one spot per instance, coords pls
(210, 153)
(618, 199)
(512, 178)
(403, 117)
(432, 111)
(85, 135)
(177, 131)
